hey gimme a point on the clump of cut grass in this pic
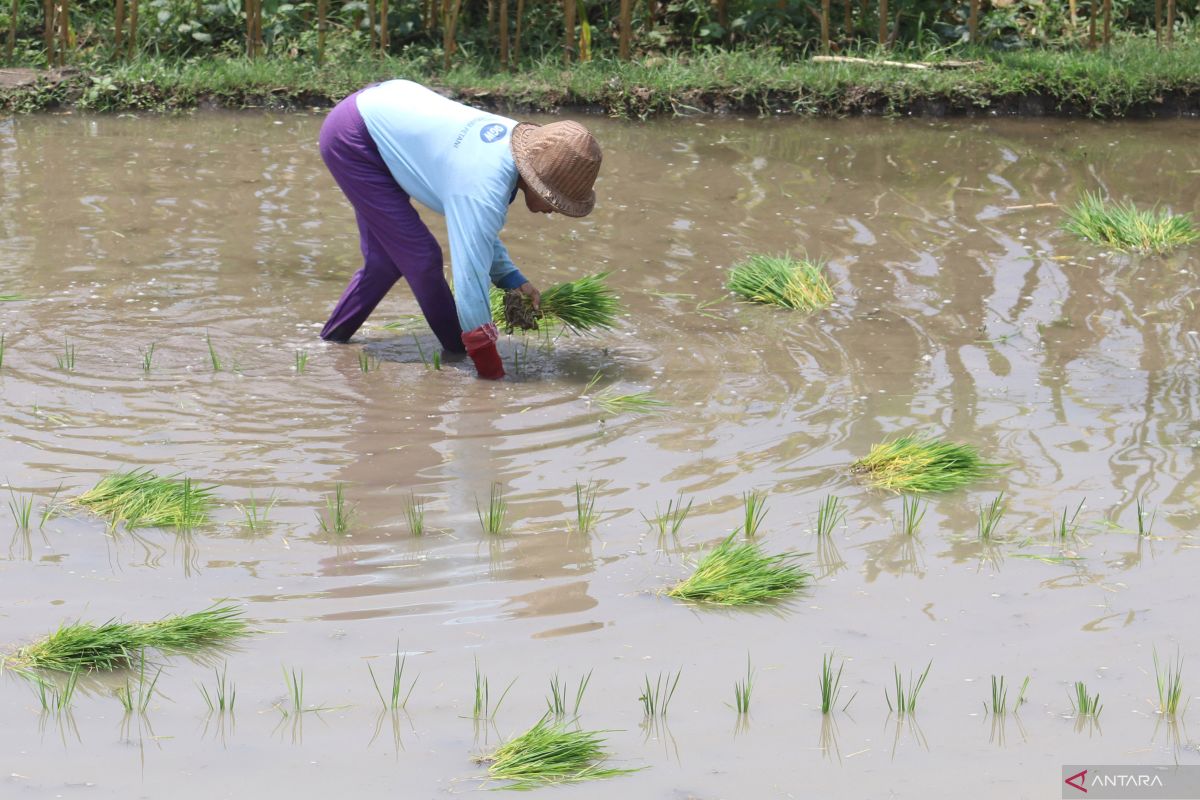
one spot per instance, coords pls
(113, 645)
(906, 693)
(1123, 227)
(493, 518)
(393, 701)
(782, 281)
(831, 511)
(148, 358)
(669, 521)
(830, 683)
(1066, 527)
(919, 464)
(989, 517)
(1084, 704)
(582, 306)
(483, 708)
(585, 507)
(224, 692)
(257, 515)
(414, 512)
(740, 573)
(66, 361)
(338, 512)
(743, 689)
(1169, 679)
(141, 498)
(656, 698)
(912, 511)
(754, 509)
(556, 703)
(551, 753)
(301, 361)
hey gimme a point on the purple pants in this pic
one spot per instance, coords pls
(394, 240)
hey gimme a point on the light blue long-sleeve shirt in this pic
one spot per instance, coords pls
(456, 160)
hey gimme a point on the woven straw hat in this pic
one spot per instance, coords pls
(559, 161)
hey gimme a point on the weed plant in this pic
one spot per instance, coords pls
(906, 693)
(989, 517)
(556, 703)
(912, 511)
(1083, 704)
(830, 683)
(550, 753)
(492, 520)
(919, 464)
(585, 507)
(141, 498)
(113, 645)
(338, 512)
(1169, 679)
(1123, 227)
(740, 573)
(782, 281)
(656, 698)
(831, 512)
(393, 701)
(754, 508)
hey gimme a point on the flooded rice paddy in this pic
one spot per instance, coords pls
(963, 310)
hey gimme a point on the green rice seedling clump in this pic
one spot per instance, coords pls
(585, 507)
(556, 703)
(141, 498)
(583, 305)
(551, 753)
(830, 683)
(754, 509)
(1123, 227)
(782, 281)
(989, 517)
(1084, 704)
(492, 519)
(743, 690)
(656, 697)
(919, 464)
(1169, 679)
(740, 573)
(906, 693)
(113, 645)
(831, 511)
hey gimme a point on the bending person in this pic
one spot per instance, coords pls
(398, 141)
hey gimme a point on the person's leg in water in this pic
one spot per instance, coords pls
(393, 239)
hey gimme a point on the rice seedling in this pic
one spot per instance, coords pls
(139, 701)
(1144, 524)
(338, 513)
(224, 692)
(1083, 704)
(556, 703)
(213, 358)
(585, 507)
(148, 358)
(912, 511)
(66, 361)
(737, 574)
(141, 498)
(989, 517)
(414, 512)
(52, 696)
(295, 692)
(782, 281)
(831, 512)
(256, 515)
(393, 701)
(919, 464)
(365, 362)
(21, 508)
(656, 698)
(1021, 693)
(614, 403)
(1169, 679)
(113, 645)
(551, 753)
(830, 683)
(669, 521)
(999, 705)
(483, 708)
(10, 298)
(301, 361)
(1, 350)
(906, 693)
(1123, 227)
(754, 508)
(50, 508)
(743, 689)
(1066, 527)
(437, 361)
(492, 520)
(582, 306)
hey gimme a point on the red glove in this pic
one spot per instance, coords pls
(481, 347)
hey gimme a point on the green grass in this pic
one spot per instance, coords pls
(919, 464)
(905, 701)
(1065, 526)
(492, 519)
(912, 511)
(148, 358)
(989, 517)
(67, 360)
(213, 358)
(1169, 679)
(558, 701)
(223, 696)
(1084, 704)
(338, 512)
(1123, 227)
(550, 753)
(781, 281)
(582, 306)
(743, 689)
(301, 361)
(831, 512)
(656, 697)
(114, 645)
(392, 701)
(256, 515)
(668, 522)
(740, 573)
(585, 507)
(754, 509)
(830, 684)
(414, 513)
(482, 708)
(141, 498)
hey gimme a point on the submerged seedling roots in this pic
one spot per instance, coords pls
(740, 573)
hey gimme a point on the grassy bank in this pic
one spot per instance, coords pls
(1131, 78)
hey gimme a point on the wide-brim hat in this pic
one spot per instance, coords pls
(559, 161)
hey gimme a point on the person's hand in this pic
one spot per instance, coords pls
(530, 291)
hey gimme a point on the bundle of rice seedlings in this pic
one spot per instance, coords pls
(142, 498)
(548, 753)
(782, 281)
(1122, 226)
(740, 573)
(921, 464)
(113, 644)
(582, 305)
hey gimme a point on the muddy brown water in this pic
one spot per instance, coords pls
(961, 312)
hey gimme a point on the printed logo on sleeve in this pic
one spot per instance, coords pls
(493, 132)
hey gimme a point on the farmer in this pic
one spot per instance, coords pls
(395, 142)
